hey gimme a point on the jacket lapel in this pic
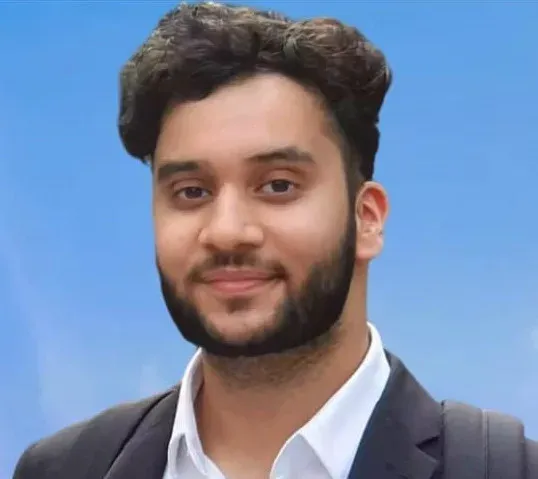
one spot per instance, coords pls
(405, 420)
(144, 456)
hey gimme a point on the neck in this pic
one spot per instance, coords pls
(276, 394)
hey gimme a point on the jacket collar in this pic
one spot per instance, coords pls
(405, 421)
(144, 455)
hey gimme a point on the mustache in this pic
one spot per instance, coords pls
(235, 260)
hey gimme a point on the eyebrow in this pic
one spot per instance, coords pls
(287, 154)
(174, 167)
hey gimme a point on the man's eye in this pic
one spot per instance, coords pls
(278, 187)
(191, 193)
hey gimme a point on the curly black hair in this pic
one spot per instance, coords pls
(197, 48)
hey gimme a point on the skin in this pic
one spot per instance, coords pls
(286, 212)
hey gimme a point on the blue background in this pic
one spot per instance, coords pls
(455, 293)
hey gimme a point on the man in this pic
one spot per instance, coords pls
(261, 135)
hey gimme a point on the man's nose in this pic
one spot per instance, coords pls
(231, 224)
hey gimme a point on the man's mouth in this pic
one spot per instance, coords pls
(228, 281)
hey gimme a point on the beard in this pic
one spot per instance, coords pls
(301, 319)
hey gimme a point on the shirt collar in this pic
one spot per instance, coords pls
(185, 439)
(334, 433)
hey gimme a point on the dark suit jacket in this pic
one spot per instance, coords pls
(402, 440)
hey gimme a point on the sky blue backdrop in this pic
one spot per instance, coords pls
(455, 293)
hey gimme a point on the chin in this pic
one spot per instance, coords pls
(240, 327)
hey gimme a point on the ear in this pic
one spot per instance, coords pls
(371, 211)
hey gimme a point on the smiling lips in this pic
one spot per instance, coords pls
(237, 281)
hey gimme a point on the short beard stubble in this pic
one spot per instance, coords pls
(302, 321)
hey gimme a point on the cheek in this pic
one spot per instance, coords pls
(173, 242)
(307, 232)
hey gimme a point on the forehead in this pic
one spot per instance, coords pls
(261, 113)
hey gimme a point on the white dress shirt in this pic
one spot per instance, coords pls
(324, 448)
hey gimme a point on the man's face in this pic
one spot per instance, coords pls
(255, 234)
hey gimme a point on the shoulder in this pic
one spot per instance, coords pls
(38, 458)
(46, 458)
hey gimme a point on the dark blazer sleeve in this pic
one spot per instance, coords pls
(79, 446)
(25, 469)
(41, 459)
